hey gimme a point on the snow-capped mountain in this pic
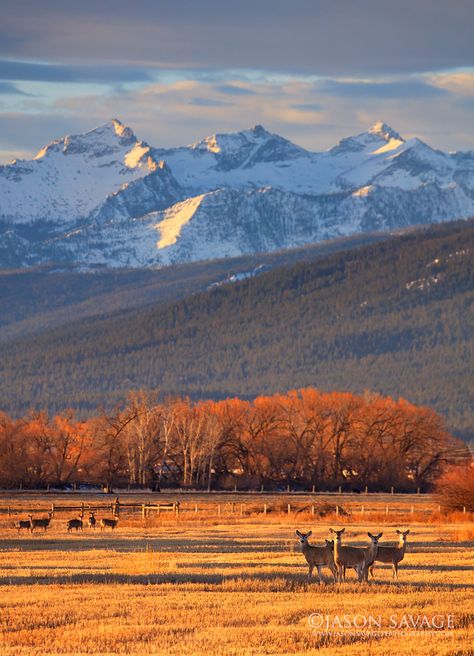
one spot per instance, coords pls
(107, 198)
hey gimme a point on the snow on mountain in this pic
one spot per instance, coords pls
(106, 198)
(69, 177)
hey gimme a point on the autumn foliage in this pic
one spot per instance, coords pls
(456, 488)
(301, 439)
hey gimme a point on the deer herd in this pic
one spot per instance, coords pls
(338, 557)
(333, 555)
(76, 523)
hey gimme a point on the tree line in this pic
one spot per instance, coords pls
(300, 439)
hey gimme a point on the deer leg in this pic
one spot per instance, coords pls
(310, 571)
(320, 576)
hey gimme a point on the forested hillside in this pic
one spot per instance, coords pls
(394, 317)
(41, 298)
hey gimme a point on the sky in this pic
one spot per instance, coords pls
(175, 71)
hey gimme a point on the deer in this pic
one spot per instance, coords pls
(371, 553)
(40, 522)
(347, 557)
(391, 555)
(22, 523)
(107, 522)
(92, 520)
(75, 523)
(317, 556)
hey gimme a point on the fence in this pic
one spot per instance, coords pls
(229, 509)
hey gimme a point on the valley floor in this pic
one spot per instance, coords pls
(235, 588)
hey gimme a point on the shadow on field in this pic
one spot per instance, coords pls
(165, 545)
(286, 582)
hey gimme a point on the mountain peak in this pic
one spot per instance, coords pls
(120, 129)
(383, 130)
(259, 131)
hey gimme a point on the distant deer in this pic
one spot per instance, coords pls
(317, 556)
(371, 553)
(347, 557)
(40, 522)
(75, 523)
(391, 555)
(92, 520)
(105, 522)
(22, 523)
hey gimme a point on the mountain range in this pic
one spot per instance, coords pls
(106, 198)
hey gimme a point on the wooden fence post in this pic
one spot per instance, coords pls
(289, 509)
(391, 490)
(366, 489)
(52, 510)
(314, 489)
(143, 511)
(337, 509)
(312, 509)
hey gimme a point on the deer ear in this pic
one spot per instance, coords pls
(399, 532)
(370, 535)
(379, 535)
(298, 534)
(331, 530)
(406, 532)
(308, 534)
(342, 530)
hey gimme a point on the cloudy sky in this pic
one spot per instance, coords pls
(177, 70)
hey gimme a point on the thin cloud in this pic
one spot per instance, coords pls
(96, 74)
(374, 89)
(9, 89)
(235, 90)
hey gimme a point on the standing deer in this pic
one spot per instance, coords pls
(371, 554)
(317, 556)
(347, 557)
(92, 520)
(106, 522)
(75, 523)
(391, 555)
(22, 523)
(40, 522)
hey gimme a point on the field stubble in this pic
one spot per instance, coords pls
(233, 586)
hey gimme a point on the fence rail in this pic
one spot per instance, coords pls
(229, 508)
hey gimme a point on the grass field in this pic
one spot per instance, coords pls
(231, 585)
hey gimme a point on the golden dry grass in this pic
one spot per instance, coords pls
(232, 586)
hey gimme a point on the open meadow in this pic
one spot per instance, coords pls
(233, 583)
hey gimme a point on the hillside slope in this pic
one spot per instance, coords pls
(395, 317)
(38, 299)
